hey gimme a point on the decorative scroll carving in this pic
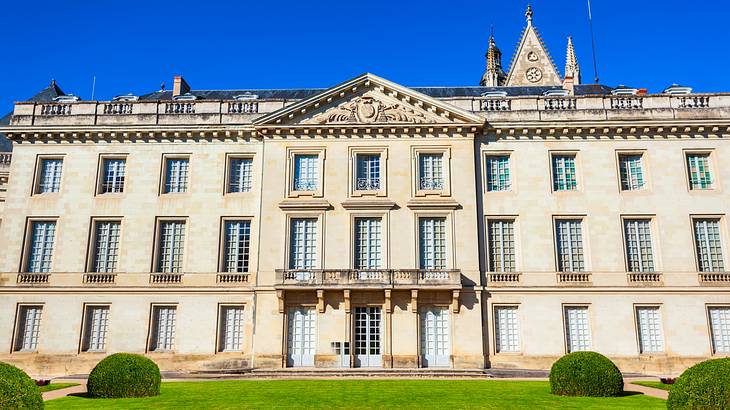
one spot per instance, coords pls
(367, 110)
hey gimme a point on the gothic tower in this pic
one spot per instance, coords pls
(493, 76)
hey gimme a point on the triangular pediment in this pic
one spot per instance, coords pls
(532, 64)
(368, 100)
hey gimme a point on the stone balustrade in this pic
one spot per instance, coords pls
(5, 159)
(644, 278)
(381, 278)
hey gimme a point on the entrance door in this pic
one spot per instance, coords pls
(367, 337)
(300, 343)
(435, 340)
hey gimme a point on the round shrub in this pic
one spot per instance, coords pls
(124, 375)
(17, 390)
(586, 374)
(705, 385)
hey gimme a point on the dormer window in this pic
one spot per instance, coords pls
(185, 97)
(556, 93)
(246, 96)
(495, 94)
(676, 89)
(624, 90)
(125, 98)
(66, 98)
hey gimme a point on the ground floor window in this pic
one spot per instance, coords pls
(95, 328)
(301, 337)
(577, 329)
(506, 328)
(162, 338)
(231, 329)
(720, 329)
(28, 328)
(435, 337)
(651, 338)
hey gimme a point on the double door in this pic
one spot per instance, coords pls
(368, 336)
(435, 337)
(301, 337)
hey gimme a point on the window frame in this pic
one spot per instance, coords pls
(486, 155)
(637, 328)
(219, 337)
(655, 252)
(714, 175)
(17, 327)
(222, 242)
(488, 219)
(354, 152)
(101, 174)
(164, 171)
(518, 316)
(449, 239)
(292, 152)
(584, 238)
(578, 174)
(91, 246)
(156, 254)
(319, 256)
(84, 337)
(28, 243)
(643, 153)
(230, 157)
(711, 336)
(384, 235)
(589, 316)
(723, 238)
(151, 336)
(416, 152)
(38, 174)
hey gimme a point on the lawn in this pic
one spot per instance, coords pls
(56, 386)
(656, 385)
(359, 394)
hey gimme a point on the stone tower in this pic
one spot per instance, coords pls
(531, 64)
(494, 75)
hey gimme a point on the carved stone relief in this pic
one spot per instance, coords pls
(367, 110)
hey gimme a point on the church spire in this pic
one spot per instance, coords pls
(528, 15)
(572, 69)
(493, 76)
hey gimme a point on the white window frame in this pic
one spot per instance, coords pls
(486, 171)
(515, 243)
(156, 263)
(569, 347)
(721, 237)
(714, 175)
(577, 162)
(514, 346)
(28, 245)
(153, 334)
(319, 240)
(91, 330)
(621, 155)
(222, 334)
(724, 349)
(21, 328)
(448, 227)
(91, 265)
(230, 158)
(355, 153)
(166, 158)
(381, 263)
(416, 153)
(223, 257)
(649, 219)
(292, 153)
(39, 174)
(647, 347)
(584, 243)
(102, 174)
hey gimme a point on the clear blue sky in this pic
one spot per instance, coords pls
(133, 46)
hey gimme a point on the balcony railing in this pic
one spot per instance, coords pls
(627, 103)
(232, 278)
(503, 278)
(99, 278)
(431, 184)
(573, 278)
(368, 184)
(694, 101)
(560, 104)
(118, 108)
(644, 278)
(368, 277)
(714, 278)
(56, 109)
(495, 104)
(180, 108)
(250, 107)
(165, 278)
(26, 278)
(5, 158)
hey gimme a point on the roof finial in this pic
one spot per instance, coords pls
(528, 14)
(53, 82)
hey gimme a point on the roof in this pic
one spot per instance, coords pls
(47, 94)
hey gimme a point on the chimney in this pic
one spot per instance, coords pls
(180, 86)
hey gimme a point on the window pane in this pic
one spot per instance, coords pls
(113, 178)
(498, 175)
(501, 246)
(632, 174)
(651, 338)
(431, 172)
(163, 337)
(698, 167)
(432, 243)
(306, 172)
(709, 245)
(231, 329)
(577, 329)
(720, 324)
(172, 244)
(564, 177)
(29, 321)
(569, 239)
(368, 172)
(97, 318)
(303, 243)
(106, 250)
(240, 179)
(237, 244)
(507, 329)
(639, 253)
(176, 180)
(41, 246)
(367, 243)
(50, 179)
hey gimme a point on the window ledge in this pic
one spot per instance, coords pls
(304, 204)
(433, 203)
(368, 203)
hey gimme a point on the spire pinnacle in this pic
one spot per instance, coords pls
(572, 69)
(493, 75)
(528, 15)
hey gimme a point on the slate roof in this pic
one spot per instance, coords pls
(47, 94)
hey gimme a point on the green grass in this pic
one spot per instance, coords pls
(656, 385)
(56, 386)
(359, 394)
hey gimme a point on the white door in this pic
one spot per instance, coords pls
(300, 342)
(368, 327)
(435, 340)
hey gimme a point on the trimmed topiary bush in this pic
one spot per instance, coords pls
(586, 374)
(124, 375)
(705, 385)
(17, 390)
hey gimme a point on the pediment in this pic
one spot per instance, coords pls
(369, 100)
(531, 64)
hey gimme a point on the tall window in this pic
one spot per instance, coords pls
(651, 338)
(306, 172)
(95, 328)
(501, 245)
(498, 176)
(431, 172)
(720, 328)
(709, 245)
(231, 329)
(241, 176)
(114, 173)
(171, 246)
(577, 329)
(432, 240)
(632, 172)
(368, 172)
(303, 243)
(639, 253)
(106, 246)
(569, 241)
(43, 236)
(698, 168)
(50, 175)
(367, 243)
(564, 176)
(506, 327)
(162, 338)
(176, 175)
(237, 246)
(29, 322)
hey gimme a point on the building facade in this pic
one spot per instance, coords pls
(370, 225)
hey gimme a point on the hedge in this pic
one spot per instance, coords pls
(586, 374)
(705, 385)
(124, 375)
(17, 390)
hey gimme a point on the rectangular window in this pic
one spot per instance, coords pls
(231, 329)
(498, 175)
(50, 175)
(709, 245)
(577, 329)
(506, 327)
(163, 329)
(432, 240)
(501, 235)
(106, 246)
(720, 329)
(651, 338)
(632, 173)
(237, 246)
(176, 175)
(114, 171)
(639, 252)
(698, 168)
(303, 249)
(306, 172)
(29, 323)
(431, 172)
(368, 172)
(95, 328)
(241, 175)
(569, 241)
(43, 236)
(564, 176)
(171, 246)
(367, 243)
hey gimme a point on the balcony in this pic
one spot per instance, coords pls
(362, 278)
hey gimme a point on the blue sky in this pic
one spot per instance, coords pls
(133, 46)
